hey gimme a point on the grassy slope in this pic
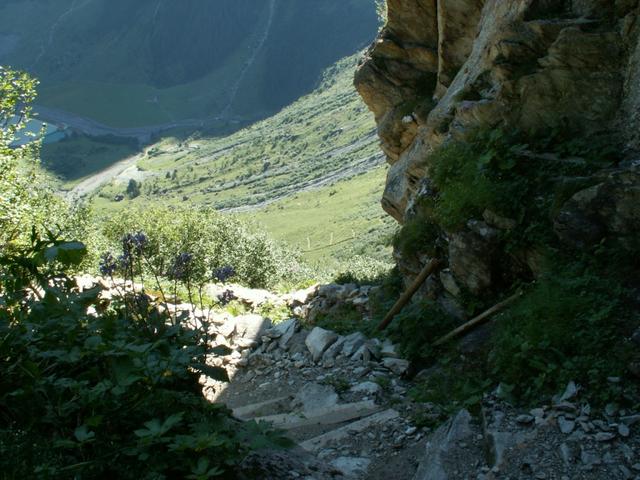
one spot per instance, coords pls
(318, 159)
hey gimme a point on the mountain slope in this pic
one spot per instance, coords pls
(158, 61)
(289, 172)
(319, 139)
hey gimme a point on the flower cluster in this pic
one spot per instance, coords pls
(133, 244)
(223, 274)
(108, 265)
(226, 297)
(180, 267)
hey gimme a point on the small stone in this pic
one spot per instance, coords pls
(537, 412)
(569, 392)
(352, 466)
(566, 426)
(626, 473)
(566, 453)
(630, 420)
(363, 354)
(611, 409)
(388, 350)
(589, 458)
(369, 388)
(541, 475)
(525, 419)
(605, 436)
(396, 365)
(623, 430)
(352, 343)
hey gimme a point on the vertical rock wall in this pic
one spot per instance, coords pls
(442, 68)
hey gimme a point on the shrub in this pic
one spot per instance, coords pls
(362, 270)
(214, 240)
(419, 234)
(418, 326)
(559, 331)
(90, 390)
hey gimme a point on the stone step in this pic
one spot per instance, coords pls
(322, 416)
(316, 444)
(262, 409)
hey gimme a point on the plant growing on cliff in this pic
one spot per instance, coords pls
(558, 332)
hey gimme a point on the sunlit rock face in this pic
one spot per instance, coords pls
(441, 69)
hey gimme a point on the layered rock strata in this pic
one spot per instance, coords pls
(442, 69)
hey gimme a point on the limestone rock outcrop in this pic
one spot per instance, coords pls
(441, 69)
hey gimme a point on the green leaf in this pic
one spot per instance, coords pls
(83, 434)
(156, 429)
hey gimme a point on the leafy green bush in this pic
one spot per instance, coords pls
(214, 240)
(362, 270)
(92, 389)
(419, 234)
(559, 331)
(418, 326)
(26, 198)
(465, 190)
(344, 319)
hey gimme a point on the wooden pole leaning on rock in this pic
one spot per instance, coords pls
(431, 267)
(476, 321)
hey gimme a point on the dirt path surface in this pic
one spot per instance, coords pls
(94, 182)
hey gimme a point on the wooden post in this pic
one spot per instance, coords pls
(431, 267)
(480, 319)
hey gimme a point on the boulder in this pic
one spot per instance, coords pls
(314, 396)
(396, 365)
(334, 350)
(443, 445)
(351, 467)
(352, 343)
(286, 331)
(318, 341)
(251, 326)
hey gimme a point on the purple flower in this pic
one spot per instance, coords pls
(179, 269)
(133, 244)
(226, 297)
(108, 265)
(223, 274)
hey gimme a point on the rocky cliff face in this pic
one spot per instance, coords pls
(441, 69)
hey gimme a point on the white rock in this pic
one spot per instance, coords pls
(370, 388)
(352, 343)
(318, 341)
(334, 350)
(388, 350)
(352, 467)
(396, 365)
(228, 328)
(286, 330)
(252, 326)
(570, 392)
(300, 297)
